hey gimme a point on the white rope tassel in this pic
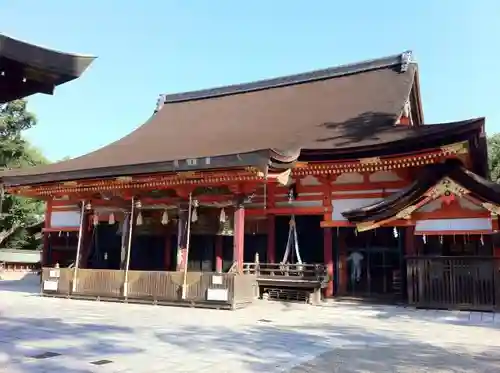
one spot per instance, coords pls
(222, 217)
(296, 239)
(164, 217)
(139, 219)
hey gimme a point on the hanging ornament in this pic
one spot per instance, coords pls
(395, 232)
(111, 219)
(60, 234)
(424, 238)
(67, 234)
(356, 231)
(138, 221)
(164, 217)
(482, 240)
(441, 239)
(105, 256)
(194, 215)
(88, 206)
(95, 219)
(222, 217)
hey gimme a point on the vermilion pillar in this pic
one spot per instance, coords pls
(271, 239)
(219, 242)
(328, 256)
(239, 237)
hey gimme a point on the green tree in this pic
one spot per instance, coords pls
(18, 214)
(494, 157)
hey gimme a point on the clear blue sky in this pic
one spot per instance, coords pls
(149, 47)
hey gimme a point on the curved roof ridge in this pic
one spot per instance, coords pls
(4, 35)
(283, 81)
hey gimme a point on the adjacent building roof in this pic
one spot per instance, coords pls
(20, 256)
(26, 69)
(481, 189)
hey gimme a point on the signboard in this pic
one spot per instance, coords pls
(220, 295)
(50, 285)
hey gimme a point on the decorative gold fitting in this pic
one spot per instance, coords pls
(368, 161)
(458, 148)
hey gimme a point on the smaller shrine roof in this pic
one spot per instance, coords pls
(481, 189)
(26, 69)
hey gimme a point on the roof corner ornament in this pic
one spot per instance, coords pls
(159, 103)
(406, 59)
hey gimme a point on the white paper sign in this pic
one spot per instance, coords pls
(217, 280)
(50, 285)
(55, 273)
(221, 295)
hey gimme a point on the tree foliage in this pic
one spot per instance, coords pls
(18, 214)
(494, 157)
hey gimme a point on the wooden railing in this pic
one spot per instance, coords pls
(304, 272)
(223, 290)
(468, 283)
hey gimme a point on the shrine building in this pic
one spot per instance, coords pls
(324, 182)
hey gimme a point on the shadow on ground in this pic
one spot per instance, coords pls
(22, 338)
(461, 318)
(357, 350)
(31, 286)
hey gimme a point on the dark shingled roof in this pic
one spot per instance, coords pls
(252, 124)
(480, 188)
(26, 69)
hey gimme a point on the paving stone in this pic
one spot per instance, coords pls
(266, 337)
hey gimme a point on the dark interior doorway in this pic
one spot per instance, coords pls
(147, 253)
(309, 234)
(201, 253)
(105, 247)
(374, 262)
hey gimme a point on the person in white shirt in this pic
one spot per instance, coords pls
(355, 258)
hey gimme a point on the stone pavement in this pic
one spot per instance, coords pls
(59, 335)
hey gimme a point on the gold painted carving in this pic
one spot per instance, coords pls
(494, 209)
(366, 226)
(446, 187)
(70, 184)
(368, 161)
(406, 212)
(458, 148)
(124, 179)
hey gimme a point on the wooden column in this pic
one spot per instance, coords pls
(328, 257)
(46, 243)
(271, 239)
(410, 248)
(182, 238)
(239, 237)
(219, 242)
(327, 235)
(87, 239)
